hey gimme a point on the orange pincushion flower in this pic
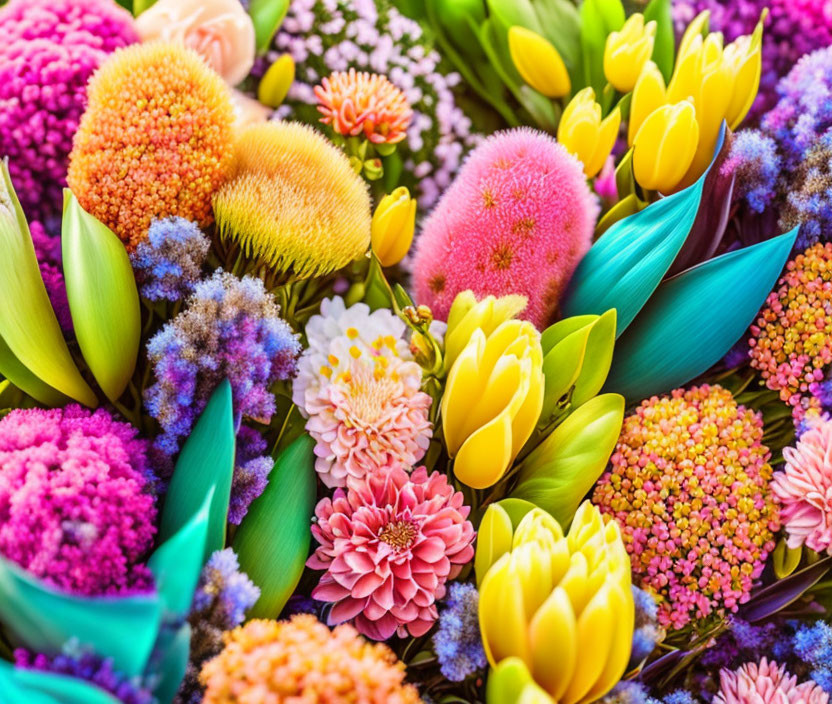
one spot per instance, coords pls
(355, 102)
(301, 660)
(155, 141)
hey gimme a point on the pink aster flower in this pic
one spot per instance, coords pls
(766, 683)
(388, 546)
(805, 488)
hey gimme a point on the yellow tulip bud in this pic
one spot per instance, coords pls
(627, 51)
(393, 224)
(693, 30)
(276, 81)
(664, 147)
(649, 94)
(493, 539)
(744, 56)
(467, 314)
(492, 401)
(584, 134)
(538, 62)
(552, 600)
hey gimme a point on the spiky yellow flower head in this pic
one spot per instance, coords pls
(155, 140)
(293, 201)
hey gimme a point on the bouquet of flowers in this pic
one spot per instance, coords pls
(363, 351)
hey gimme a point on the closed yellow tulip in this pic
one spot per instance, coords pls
(492, 400)
(392, 228)
(275, 84)
(560, 604)
(627, 51)
(665, 146)
(585, 134)
(649, 94)
(745, 57)
(538, 62)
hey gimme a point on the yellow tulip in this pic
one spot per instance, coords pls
(538, 62)
(392, 228)
(560, 604)
(276, 81)
(511, 683)
(626, 52)
(696, 28)
(584, 134)
(492, 400)
(665, 146)
(745, 57)
(467, 314)
(649, 94)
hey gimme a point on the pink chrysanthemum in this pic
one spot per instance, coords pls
(804, 488)
(517, 219)
(690, 487)
(766, 683)
(74, 506)
(388, 548)
(357, 102)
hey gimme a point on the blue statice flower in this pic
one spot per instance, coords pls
(812, 644)
(457, 642)
(756, 163)
(809, 200)
(169, 262)
(252, 467)
(628, 692)
(647, 631)
(680, 696)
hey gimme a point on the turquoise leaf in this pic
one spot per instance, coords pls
(35, 687)
(173, 650)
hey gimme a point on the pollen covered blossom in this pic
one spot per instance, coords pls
(766, 683)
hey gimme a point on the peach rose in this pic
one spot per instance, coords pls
(221, 31)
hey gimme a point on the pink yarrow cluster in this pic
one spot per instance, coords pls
(766, 683)
(388, 547)
(517, 219)
(74, 505)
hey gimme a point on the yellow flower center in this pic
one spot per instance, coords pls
(398, 534)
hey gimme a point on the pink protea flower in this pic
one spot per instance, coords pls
(804, 488)
(766, 683)
(388, 547)
(357, 102)
(517, 219)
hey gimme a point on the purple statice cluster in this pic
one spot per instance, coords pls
(794, 28)
(755, 162)
(168, 262)
(251, 472)
(84, 665)
(48, 252)
(222, 597)
(48, 51)
(372, 35)
(647, 632)
(809, 198)
(229, 328)
(457, 641)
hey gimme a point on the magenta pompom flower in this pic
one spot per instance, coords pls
(74, 505)
(388, 547)
(517, 219)
(766, 683)
(804, 488)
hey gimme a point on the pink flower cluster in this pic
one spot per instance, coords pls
(766, 683)
(388, 547)
(74, 505)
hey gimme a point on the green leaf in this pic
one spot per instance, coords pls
(597, 359)
(561, 25)
(680, 333)
(561, 367)
(624, 267)
(516, 509)
(173, 650)
(22, 686)
(43, 619)
(27, 322)
(102, 295)
(23, 379)
(664, 51)
(205, 465)
(512, 12)
(455, 18)
(598, 19)
(560, 330)
(562, 469)
(272, 542)
(267, 16)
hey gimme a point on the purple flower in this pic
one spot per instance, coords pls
(809, 196)
(647, 631)
(756, 163)
(48, 252)
(251, 473)
(457, 642)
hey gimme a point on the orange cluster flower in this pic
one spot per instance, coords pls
(354, 102)
(155, 141)
(301, 660)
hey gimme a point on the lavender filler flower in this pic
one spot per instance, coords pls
(457, 642)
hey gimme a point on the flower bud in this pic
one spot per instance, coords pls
(393, 224)
(665, 146)
(649, 94)
(584, 134)
(626, 52)
(275, 84)
(538, 62)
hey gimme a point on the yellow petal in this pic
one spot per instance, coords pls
(538, 62)
(276, 81)
(531, 564)
(393, 225)
(574, 582)
(526, 418)
(554, 643)
(494, 540)
(665, 146)
(486, 455)
(648, 95)
(607, 134)
(537, 526)
(502, 615)
(462, 391)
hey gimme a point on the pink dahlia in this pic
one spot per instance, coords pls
(388, 546)
(804, 488)
(766, 683)
(517, 219)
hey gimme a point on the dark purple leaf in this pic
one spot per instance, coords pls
(771, 599)
(661, 666)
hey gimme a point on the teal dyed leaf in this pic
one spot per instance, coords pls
(272, 542)
(171, 659)
(44, 619)
(681, 332)
(205, 464)
(19, 686)
(661, 12)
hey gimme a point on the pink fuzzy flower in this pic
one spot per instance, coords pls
(517, 219)
(766, 683)
(805, 488)
(388, 546)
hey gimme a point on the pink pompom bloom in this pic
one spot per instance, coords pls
(388, 547)
(517, 219)
(766, 683)
(74, 505)
(357, 102)
(804, 488)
